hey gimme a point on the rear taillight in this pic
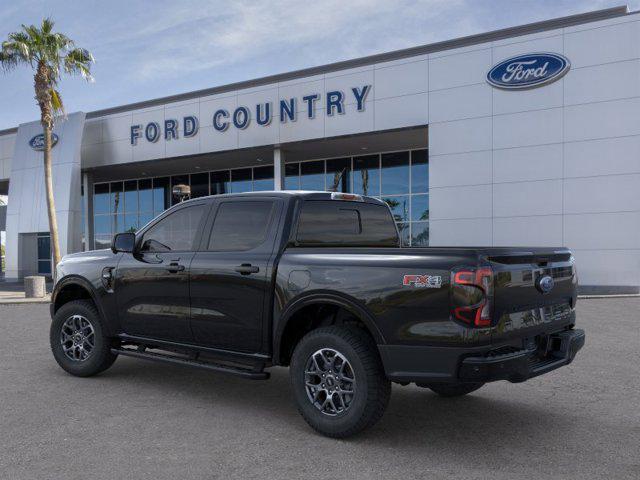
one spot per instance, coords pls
(472, 296)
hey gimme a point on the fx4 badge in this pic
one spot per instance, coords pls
(422, 281)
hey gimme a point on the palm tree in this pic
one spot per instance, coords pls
(49, 54)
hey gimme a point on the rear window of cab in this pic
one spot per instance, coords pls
(345, 223)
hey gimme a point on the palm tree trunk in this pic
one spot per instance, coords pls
(51, 208)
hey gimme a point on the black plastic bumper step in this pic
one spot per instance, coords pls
(159, 357)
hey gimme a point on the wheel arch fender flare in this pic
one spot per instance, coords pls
(78, 281)
(323, 297)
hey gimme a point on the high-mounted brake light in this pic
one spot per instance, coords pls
(477, 294)
(352, 197)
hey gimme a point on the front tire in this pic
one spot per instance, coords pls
(78, 340)
(338, 381)
(454, 389)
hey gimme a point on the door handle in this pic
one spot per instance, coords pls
(247, 269)
(175, 267)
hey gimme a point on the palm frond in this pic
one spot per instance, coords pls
(56, 101)
(78, 62)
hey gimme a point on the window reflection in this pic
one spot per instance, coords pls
(145, 195)
(395, 173)
(419, 207)
(366, 175)
(116, 197)
(339, 175)
(241, 180)
(419, 234)
(292, 176)
(263, 178)
(403, 228)
(131, 196)
(101, 198)
(129, 205)
(220, 182)
(419, 171)
(199, 185)
(161, 195)
(399, 207)
(312, 175)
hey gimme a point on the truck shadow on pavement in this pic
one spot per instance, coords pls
(415, 416)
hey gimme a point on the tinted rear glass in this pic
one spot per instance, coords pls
(240, 226)
(326, 223)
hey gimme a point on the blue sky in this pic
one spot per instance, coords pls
(149, 49)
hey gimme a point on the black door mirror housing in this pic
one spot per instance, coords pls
(123, 242)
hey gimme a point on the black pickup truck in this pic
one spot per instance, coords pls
(316, 281)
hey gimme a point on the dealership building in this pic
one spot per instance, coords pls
(527, 136)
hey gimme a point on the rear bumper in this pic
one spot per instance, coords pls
(447, 364)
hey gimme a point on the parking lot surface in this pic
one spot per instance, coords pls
(143, 420)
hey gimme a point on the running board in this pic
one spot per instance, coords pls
(159, 357)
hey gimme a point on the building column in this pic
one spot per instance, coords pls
(87, 206)
(278, 169)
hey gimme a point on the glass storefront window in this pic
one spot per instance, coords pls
(131, 196)
(116, 197)
(420, 234)
(241, 180)
(145, 195)
(399, 207)
(129, 205)
(419, 208)
(395, 173)
(161, 195)
(220, 182)
(419, 171)
(199, 185)
(292, 176)
(312, 175)
(339, 175)
(366, 175)
(405, 238)
(263, 178)
(102, 225)
(101, 198)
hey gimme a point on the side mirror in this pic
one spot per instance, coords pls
(123, 242)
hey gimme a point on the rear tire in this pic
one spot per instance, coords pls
(78, 340)
(454, 389)
(338, 381)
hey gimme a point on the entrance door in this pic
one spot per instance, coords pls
(230, 275)
(152, 285)
(44, 253)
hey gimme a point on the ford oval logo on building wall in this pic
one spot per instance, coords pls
(37, 142)
(528, 71)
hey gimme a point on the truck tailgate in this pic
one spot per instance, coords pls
(535, 293)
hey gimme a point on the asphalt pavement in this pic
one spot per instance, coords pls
(142, 420)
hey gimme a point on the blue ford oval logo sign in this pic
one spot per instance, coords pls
(545, 284)
(528, 71)
(37, 142)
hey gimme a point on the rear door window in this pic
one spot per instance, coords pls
(240, 225)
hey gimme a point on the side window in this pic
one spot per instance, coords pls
(174, 232)
(240, 226)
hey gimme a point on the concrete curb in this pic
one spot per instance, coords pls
(22, 301)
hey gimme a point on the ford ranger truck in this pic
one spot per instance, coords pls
(317, 282)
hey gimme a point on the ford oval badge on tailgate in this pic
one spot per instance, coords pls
(545, 284)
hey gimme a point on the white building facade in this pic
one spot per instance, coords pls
(528, 136)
